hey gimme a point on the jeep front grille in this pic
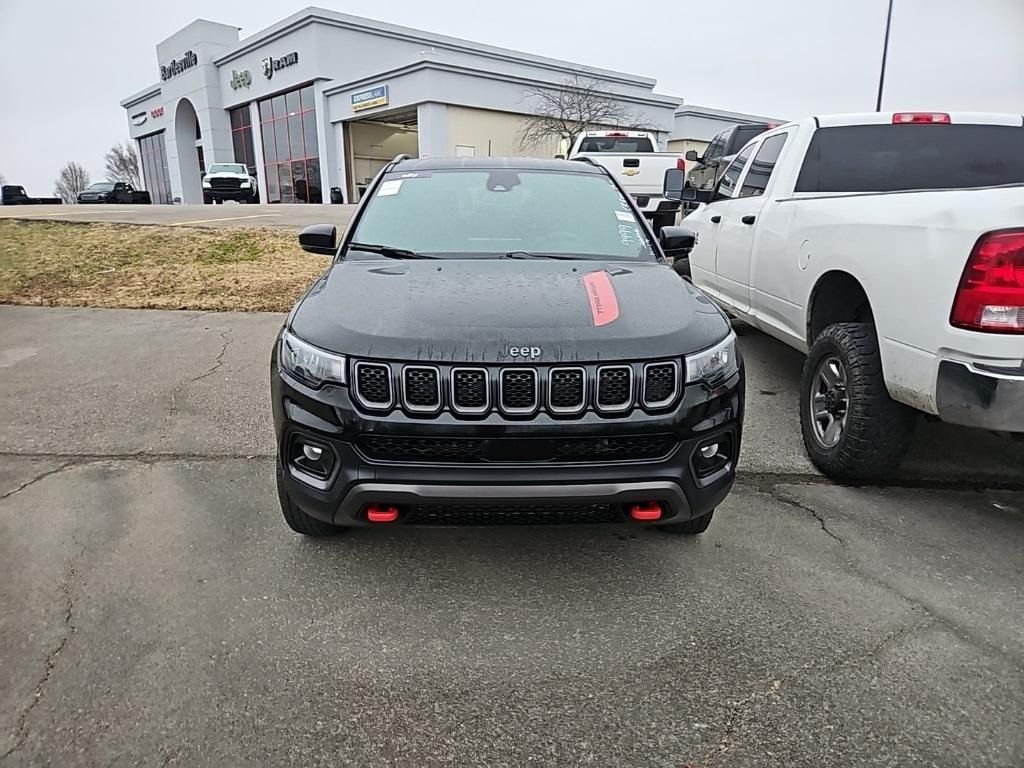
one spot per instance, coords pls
(614, 388)
(567, 390)
(470, 390)
(421, 388)
(476, 392)
(373, 385)
(518, 391)
(661, 381)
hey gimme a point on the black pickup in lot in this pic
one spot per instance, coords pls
(11, 194)
(114, 192)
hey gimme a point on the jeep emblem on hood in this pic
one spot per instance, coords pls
(531, 352)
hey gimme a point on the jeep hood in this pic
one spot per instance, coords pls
(474, 310)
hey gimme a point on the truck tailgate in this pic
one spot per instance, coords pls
(642, 173)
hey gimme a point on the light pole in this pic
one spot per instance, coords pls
(885, 53)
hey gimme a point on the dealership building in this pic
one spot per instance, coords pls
(322, 100)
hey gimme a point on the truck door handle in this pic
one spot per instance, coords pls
(715, 219)
(747, 219)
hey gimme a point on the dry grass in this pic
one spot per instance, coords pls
(121, 265)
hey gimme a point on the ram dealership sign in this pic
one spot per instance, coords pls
(177, 66)
(271, 65)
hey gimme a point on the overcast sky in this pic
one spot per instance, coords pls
(67, 63)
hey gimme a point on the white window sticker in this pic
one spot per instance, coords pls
(389, 188)
(623, 216)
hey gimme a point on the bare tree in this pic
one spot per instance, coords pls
(72, 180)
(564, 112)
(123, 164)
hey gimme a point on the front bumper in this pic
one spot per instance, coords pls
(229, 194)
(977, 395)
(329, 418)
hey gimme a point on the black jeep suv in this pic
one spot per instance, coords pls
(501, 340)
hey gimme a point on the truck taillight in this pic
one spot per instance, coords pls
(991, 292)
(680, 164)
(908, 118)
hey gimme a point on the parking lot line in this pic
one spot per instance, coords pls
(90, 213)
(226, 218)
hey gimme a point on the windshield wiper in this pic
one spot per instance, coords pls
(387, 250)
(538, 255)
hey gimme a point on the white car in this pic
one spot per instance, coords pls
(632, 157)
(890, 248)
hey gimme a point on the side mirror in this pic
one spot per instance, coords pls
(691, 156)
(674, 184)
(676, 241)
(693, 195)
(559, 157)
(319, 238)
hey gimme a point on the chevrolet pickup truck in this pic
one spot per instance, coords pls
(632, 157)
(890, 248)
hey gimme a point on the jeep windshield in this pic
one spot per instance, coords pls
(492, 213)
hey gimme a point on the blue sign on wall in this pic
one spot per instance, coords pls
(375, 97)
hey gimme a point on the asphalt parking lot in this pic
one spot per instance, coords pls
(230, 215)
(155, 610)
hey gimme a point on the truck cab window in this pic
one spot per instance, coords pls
(762, 165)
(727, 186)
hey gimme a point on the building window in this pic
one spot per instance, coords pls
(290, 151)
(153, 155)
(241, 137)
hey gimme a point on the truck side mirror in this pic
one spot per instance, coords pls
(691, 155)
(693, 195)
(674, 184)
(319, 238)
(559, 157)
(676, 241)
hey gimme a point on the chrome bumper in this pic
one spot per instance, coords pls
(974, 395)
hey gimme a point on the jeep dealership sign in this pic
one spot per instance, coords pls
(241, 79)
(177, 66)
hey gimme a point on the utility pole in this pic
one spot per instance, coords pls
(885, 54)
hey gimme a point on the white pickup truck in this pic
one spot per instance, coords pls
(632, 157)
(890, 248)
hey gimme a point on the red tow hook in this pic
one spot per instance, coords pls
(376, 513)
(649, 510)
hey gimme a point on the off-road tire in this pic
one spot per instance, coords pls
(691, 527)
(878, 430)
(298, 520)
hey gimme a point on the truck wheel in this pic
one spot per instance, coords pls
(218, 201)
(298, 520)
(852, 429)
(691, 527)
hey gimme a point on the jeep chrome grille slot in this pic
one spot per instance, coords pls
(374, 389)
(567, 390)
(660, 384)
(471, 391)
(614, 388)
(517, 391)
(421, 388)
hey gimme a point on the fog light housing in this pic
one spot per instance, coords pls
(712, 456)
(312, 457)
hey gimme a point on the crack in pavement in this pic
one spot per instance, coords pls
(791, 501)
(776, 687)
(218, 361)
(36, 479)
(69, 628)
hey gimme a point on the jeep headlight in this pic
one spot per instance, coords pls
(715, 364)
(308, 364)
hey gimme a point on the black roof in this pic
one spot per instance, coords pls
(490, 163)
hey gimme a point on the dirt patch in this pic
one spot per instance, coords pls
(121, 265)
